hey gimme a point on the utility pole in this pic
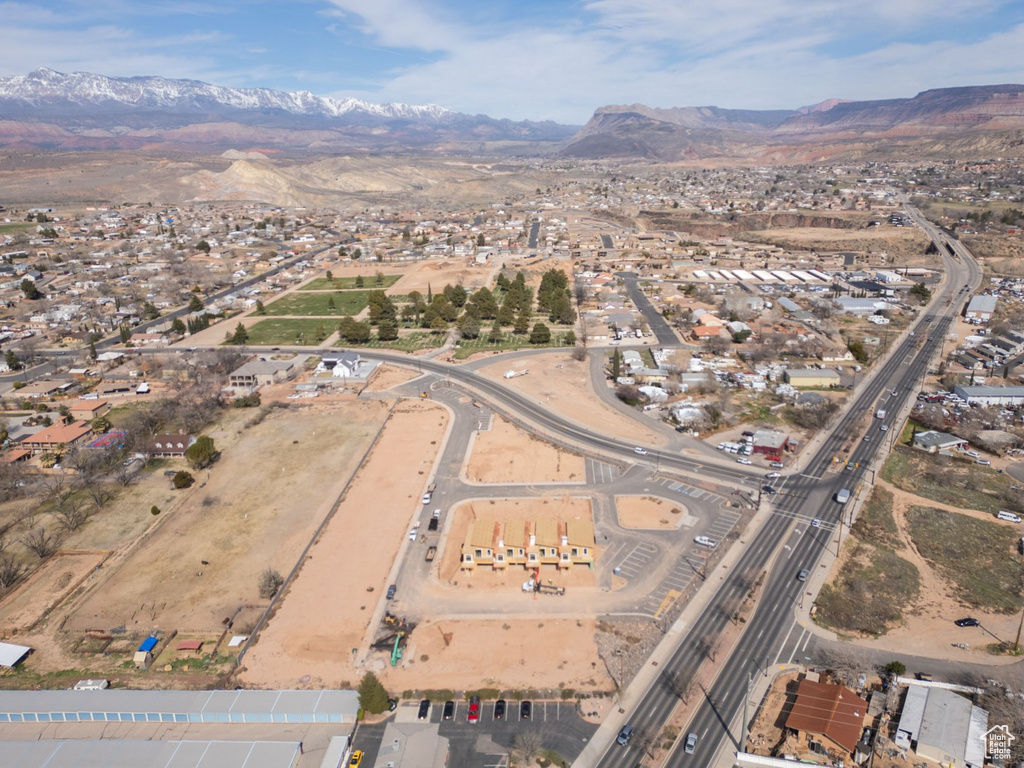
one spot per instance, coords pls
(746, 699)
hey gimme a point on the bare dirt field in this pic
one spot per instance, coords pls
(550, 507)
(434, 274)
(47, 587)
(326, 611)
(904, 242)
(388, 376)
(507, 454)
(650, 512)
(517, 654)
(567, 391)
(927, 628)
(271, 488)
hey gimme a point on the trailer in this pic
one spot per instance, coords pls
(550, 589)
(431, 551)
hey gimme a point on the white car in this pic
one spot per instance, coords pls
(744, 461)
(437, 514)
(426, 497)
(816, 522)
(640, 451)
(704, 541)
(773, 475)
(413, 534)
(884, 427)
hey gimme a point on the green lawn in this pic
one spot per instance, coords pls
(344, 283)
(290, 332)
(318, 304)
(977, 557)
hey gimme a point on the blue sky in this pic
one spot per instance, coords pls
(534, 59)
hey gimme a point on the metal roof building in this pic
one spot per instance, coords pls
(943, 726)
(115, 753)
(985, 395)
(333, 706)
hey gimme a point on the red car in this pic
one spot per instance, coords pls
(474, 710)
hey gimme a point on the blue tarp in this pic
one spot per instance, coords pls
(148, 644)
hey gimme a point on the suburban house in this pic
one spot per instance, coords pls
(833, 715)
(259, 373)
(57, 435)
(529, 544)
(340, 364)
(938, 442)
(87, 410)
(168, 446)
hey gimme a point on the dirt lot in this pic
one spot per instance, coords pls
(388, 376)
(517, 654)
(325, 614)
(271, 488)
(507, 454)
(650, 512)
(553, 506)
(434, 274)
(47, 587)
(568, 392)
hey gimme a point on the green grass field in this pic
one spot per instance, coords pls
(318, 304)
(345, 283)
(290, 332)
(977, 557)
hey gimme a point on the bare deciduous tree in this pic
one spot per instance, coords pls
(526, 746)
(42, 543)
(10, 571)
(72, 514)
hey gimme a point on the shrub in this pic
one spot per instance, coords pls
(372, 695)
(270, 582)
(182, 479)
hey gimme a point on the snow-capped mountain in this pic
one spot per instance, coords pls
(81, 110)
(45, 87)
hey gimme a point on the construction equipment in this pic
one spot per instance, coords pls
(534, 584)
(396, 652)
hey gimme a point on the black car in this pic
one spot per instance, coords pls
(525, 710)
(967, 623)
(392, 705)
(424, 710)
(499, 709)
(391, 591)
(769, 490)
(449, 710)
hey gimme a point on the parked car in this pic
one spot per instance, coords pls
(473, 716)
(499, 709)
(624, 736)
(776, 465)
(525, 710)
(356, 760)
(391, 591)
(704, 541)
(983, 462)
(969, 622)
(424, 710)
(691, 744)
(744, 461)
(449, 710)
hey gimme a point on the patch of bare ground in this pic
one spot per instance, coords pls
(904, 243)
(278, 476)
(508, 454)
(388, 376)
(651, 512)
(563, 385)
(327, 609)
(54, 581)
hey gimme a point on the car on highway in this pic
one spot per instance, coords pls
(426, 497)
(773, 475)
(704, 541)
(691, 744)
(816, 522)
(744, 461)
(424, 710)
(769, 490)
(473, 715)
(391, 592)
(867, 438)
(893, 393)
(449, 710)
(499, 709)
(525, 710)
(884, 427)
(802, 576)
(624, 736)
(968, 622)
(356, 760)
(640, 451)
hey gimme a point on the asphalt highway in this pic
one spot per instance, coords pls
(788, 543)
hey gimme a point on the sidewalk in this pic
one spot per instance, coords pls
(648, 674)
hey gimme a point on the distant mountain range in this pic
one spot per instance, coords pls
(81, 111)
(947, 122)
